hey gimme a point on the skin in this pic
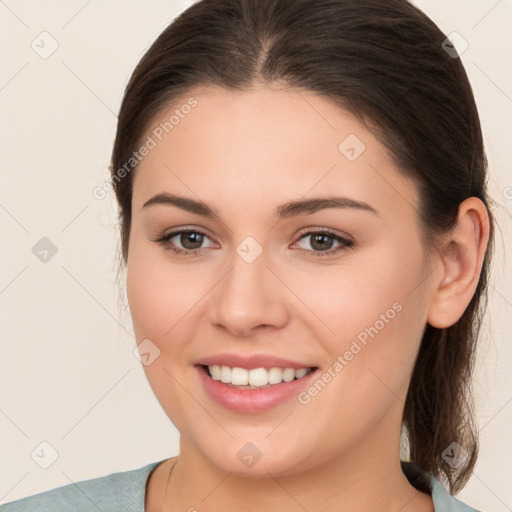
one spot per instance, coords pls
(245, 153)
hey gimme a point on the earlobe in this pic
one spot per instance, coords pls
(461, 258)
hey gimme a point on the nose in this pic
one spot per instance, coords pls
(248, 298)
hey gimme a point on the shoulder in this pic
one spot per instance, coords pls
(123, 492)
(423, 481)
(444, 501)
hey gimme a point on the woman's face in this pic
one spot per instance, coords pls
(273, 270)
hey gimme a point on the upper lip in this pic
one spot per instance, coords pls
(251, 362)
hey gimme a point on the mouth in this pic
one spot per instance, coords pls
(255, 378)
(257, 388)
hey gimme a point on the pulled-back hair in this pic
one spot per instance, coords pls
(385, 62)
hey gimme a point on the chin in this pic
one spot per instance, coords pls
(258, 460)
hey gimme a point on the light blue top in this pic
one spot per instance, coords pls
(126, 491)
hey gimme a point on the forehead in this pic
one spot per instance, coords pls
(261, 146)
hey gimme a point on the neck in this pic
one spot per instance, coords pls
(366, 478)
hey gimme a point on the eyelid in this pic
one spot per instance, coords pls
(320, 230)
(169, 233)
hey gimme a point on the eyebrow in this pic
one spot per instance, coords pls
(286, 210)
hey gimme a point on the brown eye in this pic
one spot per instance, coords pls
(186, 242)
(323, 243)
(191, 239)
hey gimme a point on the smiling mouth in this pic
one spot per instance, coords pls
(256, 378)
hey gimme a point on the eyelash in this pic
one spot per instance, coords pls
(345, 243)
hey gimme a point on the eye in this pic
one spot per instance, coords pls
(323, 243)
(190, 242)
(185, 241)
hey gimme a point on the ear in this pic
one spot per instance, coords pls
(461, 257)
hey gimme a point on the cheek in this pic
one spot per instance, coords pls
(159, 294)
(160, 303)
(354, 298)
(371, 315)
(391, 335)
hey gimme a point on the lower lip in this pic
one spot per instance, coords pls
(252, 400)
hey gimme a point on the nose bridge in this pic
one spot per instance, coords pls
(248, 295)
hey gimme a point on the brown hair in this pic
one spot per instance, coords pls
(385, 62)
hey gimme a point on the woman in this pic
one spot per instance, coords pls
(307, 237)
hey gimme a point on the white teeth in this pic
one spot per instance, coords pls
(239, 377)
(215, 371)
(289, 374)
(275, 376)
(225, 374)
(300, 373)
(257, 377)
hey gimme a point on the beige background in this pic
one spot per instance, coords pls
(68, 375)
